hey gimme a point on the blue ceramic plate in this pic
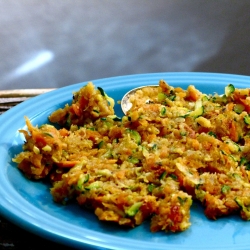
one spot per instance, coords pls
(30, 205)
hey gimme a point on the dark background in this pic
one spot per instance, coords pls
(58, 43)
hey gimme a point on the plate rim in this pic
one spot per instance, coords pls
(32, 226)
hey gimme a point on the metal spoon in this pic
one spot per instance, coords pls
(126, 105)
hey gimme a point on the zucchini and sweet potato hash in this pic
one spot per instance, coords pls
(173, 146)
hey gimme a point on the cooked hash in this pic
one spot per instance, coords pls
(172, 147)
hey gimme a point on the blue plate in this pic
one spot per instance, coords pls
(30, 205)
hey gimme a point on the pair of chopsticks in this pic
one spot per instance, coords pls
(10, 98)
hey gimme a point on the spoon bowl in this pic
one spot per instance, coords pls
(126, 105)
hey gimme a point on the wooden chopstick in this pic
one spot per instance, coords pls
(23, 92)
(10, 98)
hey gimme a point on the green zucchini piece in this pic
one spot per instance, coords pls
(247, 119)
(233, 157)
(91, 128)
(163, 175)
(173, 176)
(151, 187)
(133, 160)
(196, 113)
(108, 154)
(219, 99)
(134, 135)
(182, 200)
(236, 176)
(133, 210)
(204, 98)
(161, 97)
(223, 152)
(248, 166)
(48, 134)
(100, 144)
(94, 185)
(163, 111)
(96, 111)
(101, 91)
(211, 133)
(104, 172)
(229, 89)
(245, 210)
(183, 133)
(172, 97)
(238, 108)
(110, 100)
(117, 119)
(83, 179)
(239, 202)
(68, 122)
(225, 189)
(243, 161)
(198, 110)
(233, 146)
